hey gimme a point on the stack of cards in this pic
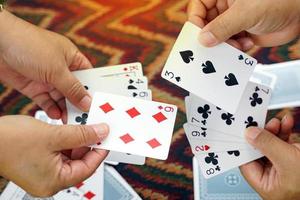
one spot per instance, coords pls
(107, 186)
(231, 185)
(139, 127)
(224, 100)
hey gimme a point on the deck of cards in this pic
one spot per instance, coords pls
(225, 99)
(139, 127)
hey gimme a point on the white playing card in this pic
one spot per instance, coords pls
(212, 164)
(124, 70)
(206, 146)
(76, 116)
(114, 83)
(70, 193)
(197, 133)
(119, 157)
(93, 187)
(218, 74)
(251, 112)
(137, 126)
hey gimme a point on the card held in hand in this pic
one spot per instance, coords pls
(217, 74)
(137, 126)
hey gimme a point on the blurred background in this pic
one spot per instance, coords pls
(123, 31)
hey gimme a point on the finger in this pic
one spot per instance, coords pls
(277, 38)
(253, 173)
(229, 23)
(212, 14)
(246, 43)
(273, 126)
(234, 43)
(77, 171)
(76, 136)
(48, 105)
(270, 145)
(209, 4)
(80, 62)
(73, 90)
(221, 6)
(77, 154)
(287, 125)
(197, 13)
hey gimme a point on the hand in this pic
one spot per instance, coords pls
(277, 178)
(245, 23)
(31, 154)
(38, 62)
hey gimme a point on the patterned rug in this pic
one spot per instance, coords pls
(122, 31)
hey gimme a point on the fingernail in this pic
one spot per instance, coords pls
(101, 130)
(207, 38)
(284, 118)
(85, 102)
(247, 44)
(252, 132)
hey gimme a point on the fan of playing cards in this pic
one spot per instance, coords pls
(139, 127)
(224, 100)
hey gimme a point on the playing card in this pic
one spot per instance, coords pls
(230, 185)
(70, 193)
(212, 164)
(114, 84)
(76, 116)
(116, 188)
(128, 158)
(217, 74)
(137, 126)
(251, 112)
(14, 192)
(286, 92)
(207, 146)
(124, 70)
(197, 133)
(264, 78)
(92, 188)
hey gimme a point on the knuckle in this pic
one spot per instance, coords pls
(265, 139)
(75, 89)
(82, 135)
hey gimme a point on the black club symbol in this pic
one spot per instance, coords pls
(204, 131)
(255, 99)
(228, 118)
(235, 153)
(250, 122)
(218, 168)
(82, 119)
(211, 158)
(204, 111)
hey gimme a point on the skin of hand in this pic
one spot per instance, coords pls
(243, 23)
(276, 177)
(31, 154)
(38, 63)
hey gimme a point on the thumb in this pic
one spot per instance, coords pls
(73, 90)
(229, 23)
(76, 136)
(269, 144)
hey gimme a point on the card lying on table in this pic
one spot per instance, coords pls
(230, 186)
(218, 74)
(137, 126)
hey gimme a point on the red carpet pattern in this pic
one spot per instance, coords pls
(122, 31)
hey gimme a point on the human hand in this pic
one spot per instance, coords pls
(31, 154)
(38, 62)
(278, 176)
(244, 23)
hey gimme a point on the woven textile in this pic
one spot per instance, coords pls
(110, 32)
